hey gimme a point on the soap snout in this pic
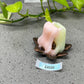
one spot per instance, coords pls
(50, 32)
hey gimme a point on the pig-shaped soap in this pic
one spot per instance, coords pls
(52, 32)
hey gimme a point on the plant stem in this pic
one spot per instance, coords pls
(30, 15)
(42, 7)
(54, 5)
(12, 21)
(78, 11)
(5, 20)
(41, 14)
(48, 4)
(73, 7)
(63, 6)
(36, 16)
(20, 14)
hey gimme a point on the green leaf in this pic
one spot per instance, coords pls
(47, 15)
(2, 17)
(3, 8)
(16, 7)
(78, 4)
(63, 2)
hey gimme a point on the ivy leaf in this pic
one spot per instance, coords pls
(3, 8)
(47, 15)
(78, 4)
(16, 7)
(63, 2)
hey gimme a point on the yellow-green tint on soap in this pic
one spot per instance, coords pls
(60, 40)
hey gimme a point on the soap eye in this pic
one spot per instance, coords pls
(53, 45)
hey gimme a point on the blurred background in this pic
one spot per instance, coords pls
(12, 1)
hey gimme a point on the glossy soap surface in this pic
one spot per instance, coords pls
(52, 32)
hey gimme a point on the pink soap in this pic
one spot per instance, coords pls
(50, 32)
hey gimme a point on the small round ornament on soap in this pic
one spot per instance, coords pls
(52, 41)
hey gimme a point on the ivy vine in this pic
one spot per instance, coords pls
(7, 10)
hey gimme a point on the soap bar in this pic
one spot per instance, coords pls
(52, 32)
